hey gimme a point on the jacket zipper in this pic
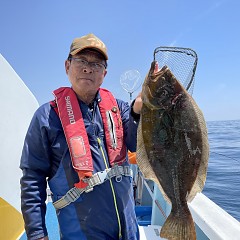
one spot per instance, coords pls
(113, 192)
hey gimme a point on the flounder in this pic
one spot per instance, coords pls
(172, 147)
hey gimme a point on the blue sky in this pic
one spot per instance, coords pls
(36, 35)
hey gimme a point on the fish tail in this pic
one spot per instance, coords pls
(179, 227)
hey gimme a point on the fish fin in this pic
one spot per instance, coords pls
(142, 157)
(179, 227)
(143, 161)
(202, 171)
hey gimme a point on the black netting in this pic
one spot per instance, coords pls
(181, 61)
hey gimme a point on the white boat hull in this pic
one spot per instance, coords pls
(17, 106)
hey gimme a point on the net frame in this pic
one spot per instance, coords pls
(181, 61)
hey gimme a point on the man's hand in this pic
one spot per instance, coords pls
(137, 106)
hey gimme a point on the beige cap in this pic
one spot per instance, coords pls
(88, 41)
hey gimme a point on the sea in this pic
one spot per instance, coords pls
(223, 176)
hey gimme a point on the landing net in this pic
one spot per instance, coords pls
(181, 61)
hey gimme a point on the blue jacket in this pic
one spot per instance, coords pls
(46, 157)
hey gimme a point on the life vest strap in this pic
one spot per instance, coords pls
(98, 178)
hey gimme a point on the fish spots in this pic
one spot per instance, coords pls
(147, 119)
(175, 185)
(163, 136)
(189, 146)
(195, 172)
(196, 150)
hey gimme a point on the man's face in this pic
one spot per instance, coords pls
(86, 72)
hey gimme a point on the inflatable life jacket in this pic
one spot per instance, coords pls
(67, 107)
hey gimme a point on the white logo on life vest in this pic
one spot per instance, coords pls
(69, 110)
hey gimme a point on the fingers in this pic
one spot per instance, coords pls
(137, 106)
(156, 68)
(152, 67)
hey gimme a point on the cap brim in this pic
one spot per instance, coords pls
(90, 47)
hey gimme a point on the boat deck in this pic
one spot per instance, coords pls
(146, 232)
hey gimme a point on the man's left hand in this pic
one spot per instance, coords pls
(137, 106)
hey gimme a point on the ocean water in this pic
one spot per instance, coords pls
(223, 177)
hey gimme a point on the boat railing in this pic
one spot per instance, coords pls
(211, 221)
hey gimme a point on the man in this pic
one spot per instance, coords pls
(78, 143)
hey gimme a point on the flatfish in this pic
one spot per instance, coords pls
(172, 147)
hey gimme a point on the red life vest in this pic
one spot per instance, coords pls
(67, 107)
